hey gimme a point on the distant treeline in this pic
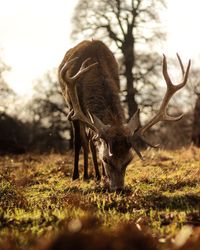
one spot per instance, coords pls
(41, 125)
(21, 137)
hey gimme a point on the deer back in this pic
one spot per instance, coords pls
(98, 89)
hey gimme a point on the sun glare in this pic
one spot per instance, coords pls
(182, 20)
(34, 38)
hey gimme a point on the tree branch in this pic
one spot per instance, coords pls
(111, 33)
(54, 105)
(118, 14)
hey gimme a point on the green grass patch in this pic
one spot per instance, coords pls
(38, 198)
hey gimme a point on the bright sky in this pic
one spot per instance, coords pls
(34, 37)
(36, 34)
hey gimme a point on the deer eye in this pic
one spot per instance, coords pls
(108, 162)
(105, 160)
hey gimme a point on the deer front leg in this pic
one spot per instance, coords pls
(94, 158)
(85, 144)
(77, 147)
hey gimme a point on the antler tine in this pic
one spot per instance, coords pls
(171, 90)
(186, 73)
(165, 71)
(84, 69)
(181, 64)
(66, 67)
(70, 87)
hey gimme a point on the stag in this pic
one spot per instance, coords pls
(89, 80)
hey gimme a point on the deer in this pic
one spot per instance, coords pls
(89, 80)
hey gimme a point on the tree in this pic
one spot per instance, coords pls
(192, 103)
(48, 116)
(196, 122)
(7, 95)
(133, 29)
(13, 136)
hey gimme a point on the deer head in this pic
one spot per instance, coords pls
(115, 142)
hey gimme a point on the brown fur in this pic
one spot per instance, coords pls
(98, 93)
(98, 89)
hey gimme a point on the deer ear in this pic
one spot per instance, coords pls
(134, 122)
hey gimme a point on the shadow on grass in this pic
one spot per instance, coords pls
(97, 190)
(175, 202)
(130, 200)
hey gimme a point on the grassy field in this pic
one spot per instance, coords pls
(160, 205)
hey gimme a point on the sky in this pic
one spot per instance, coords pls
(34, 36)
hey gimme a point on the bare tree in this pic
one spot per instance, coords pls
(48, 115)
(7, 95)
(196, 121)
(193, 106)
(133, 29)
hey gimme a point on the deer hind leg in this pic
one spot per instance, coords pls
(85, 145)
(94, 158)
(77, 148)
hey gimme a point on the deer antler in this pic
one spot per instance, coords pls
(70, 83)
(171, 90)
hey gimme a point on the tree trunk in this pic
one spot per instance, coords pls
(129, 60)
(196, 123)
(131, 102)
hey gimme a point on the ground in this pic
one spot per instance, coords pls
(38, 199)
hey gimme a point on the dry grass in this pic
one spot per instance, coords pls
(160, 205)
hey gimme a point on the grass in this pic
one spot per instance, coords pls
(38, 199)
